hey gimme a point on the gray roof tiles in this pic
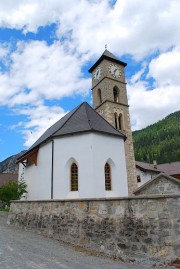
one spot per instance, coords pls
(109, 56)
(147, 166)
(168, 168)
(80, 120)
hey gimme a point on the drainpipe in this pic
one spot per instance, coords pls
(52, 169)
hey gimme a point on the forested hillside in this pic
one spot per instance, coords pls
(159, 141)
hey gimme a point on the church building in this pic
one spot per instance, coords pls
(89, 152)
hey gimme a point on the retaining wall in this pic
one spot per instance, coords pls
(129, 228)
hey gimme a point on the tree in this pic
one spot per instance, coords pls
(12, 191)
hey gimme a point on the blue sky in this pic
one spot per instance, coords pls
(47, 47)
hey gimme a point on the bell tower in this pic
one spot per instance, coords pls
(110, 101)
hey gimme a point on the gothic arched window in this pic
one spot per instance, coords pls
(107, 172)
(74, 177)
(120, 121)
(116, 120)
(99, 96)
(116, 94)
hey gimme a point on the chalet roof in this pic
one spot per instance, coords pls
(6, 177)
(80, 120)
(147, 184)
(147, 167)
(170, 168)
(109, 56)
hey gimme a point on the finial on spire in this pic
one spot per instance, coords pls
(105, 46)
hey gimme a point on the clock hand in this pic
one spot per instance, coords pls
(115, 70)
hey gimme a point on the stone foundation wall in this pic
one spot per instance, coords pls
(129, 228)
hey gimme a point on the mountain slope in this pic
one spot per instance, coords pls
(9, 165)
(159, 141)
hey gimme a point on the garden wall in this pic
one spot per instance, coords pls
(134, 228)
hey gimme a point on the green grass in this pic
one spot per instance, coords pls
(4, 209)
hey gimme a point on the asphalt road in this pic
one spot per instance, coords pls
(21, 249)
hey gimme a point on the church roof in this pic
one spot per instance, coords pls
(80, 120)
(109, 56)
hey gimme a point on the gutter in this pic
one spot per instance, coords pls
(52, 169)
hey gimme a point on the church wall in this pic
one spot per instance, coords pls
(38, 178)
(107, 152)
(90, 152)
(137, 228)
(69, 149)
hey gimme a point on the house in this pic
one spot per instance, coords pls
(146, 171)
(171, 169)
(6, 177)
(80, 156)
(161, 184)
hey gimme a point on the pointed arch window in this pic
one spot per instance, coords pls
(116, 94)
(120, 121)
(74, 177)
(116, 120)
(107, 172)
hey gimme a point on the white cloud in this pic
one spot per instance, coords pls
(39, 118)
(166, 68)
(3, 51)
(149, 106)
(39, 71)
(135, 27)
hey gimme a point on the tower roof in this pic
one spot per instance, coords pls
(80, 120)
(109, 56)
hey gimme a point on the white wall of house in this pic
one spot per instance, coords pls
(145, 176)
(90, 152)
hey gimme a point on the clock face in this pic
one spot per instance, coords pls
(97, 73)
(115, 71)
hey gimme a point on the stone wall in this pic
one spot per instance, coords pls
(161, 185)
(137, 228)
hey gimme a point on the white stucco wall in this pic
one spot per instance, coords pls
(90, 152)
(38, 178)
(145, 176)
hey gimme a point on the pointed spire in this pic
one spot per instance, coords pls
(109, 56)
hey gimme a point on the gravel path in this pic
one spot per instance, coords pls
(21, 249)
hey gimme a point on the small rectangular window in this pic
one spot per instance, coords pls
(138, 178)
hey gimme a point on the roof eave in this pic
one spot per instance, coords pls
(107, 58)
(28, 153)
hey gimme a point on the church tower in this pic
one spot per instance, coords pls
(110, 101)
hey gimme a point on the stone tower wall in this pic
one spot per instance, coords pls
(106, 107)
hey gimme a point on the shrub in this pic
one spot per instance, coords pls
(12, 191)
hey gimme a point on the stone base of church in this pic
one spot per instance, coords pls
(131, 229)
